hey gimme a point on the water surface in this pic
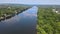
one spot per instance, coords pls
(23, 23)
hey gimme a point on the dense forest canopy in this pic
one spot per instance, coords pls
(48, 21)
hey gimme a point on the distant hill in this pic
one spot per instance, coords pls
(9, 4)
(47, 6)
(42, 6)
(4, 5)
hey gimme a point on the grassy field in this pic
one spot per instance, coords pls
(48, 21)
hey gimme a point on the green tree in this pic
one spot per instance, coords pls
(48, 21)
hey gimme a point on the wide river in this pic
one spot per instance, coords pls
(23, 23)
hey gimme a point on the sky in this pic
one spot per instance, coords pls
(31, 1)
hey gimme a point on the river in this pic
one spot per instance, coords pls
(23, 23)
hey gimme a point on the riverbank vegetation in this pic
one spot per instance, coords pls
(9, 11)
(48, 21)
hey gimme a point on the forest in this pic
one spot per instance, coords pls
(9, 11)
(48, 21)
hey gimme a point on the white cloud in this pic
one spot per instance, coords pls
(31, 1)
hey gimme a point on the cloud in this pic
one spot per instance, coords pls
(31, 1)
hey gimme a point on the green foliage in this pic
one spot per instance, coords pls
(11, 10)
(48, 21)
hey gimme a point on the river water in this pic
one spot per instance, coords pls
(23, 23)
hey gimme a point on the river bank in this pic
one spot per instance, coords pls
(20, 24)
(6, 15)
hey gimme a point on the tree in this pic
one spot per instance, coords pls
(48, 21)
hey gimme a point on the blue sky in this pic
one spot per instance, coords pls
(31, 1)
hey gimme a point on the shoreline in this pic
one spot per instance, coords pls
(12, 15)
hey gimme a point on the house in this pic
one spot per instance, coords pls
(57, 10)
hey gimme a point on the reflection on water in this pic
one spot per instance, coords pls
(24, 23)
